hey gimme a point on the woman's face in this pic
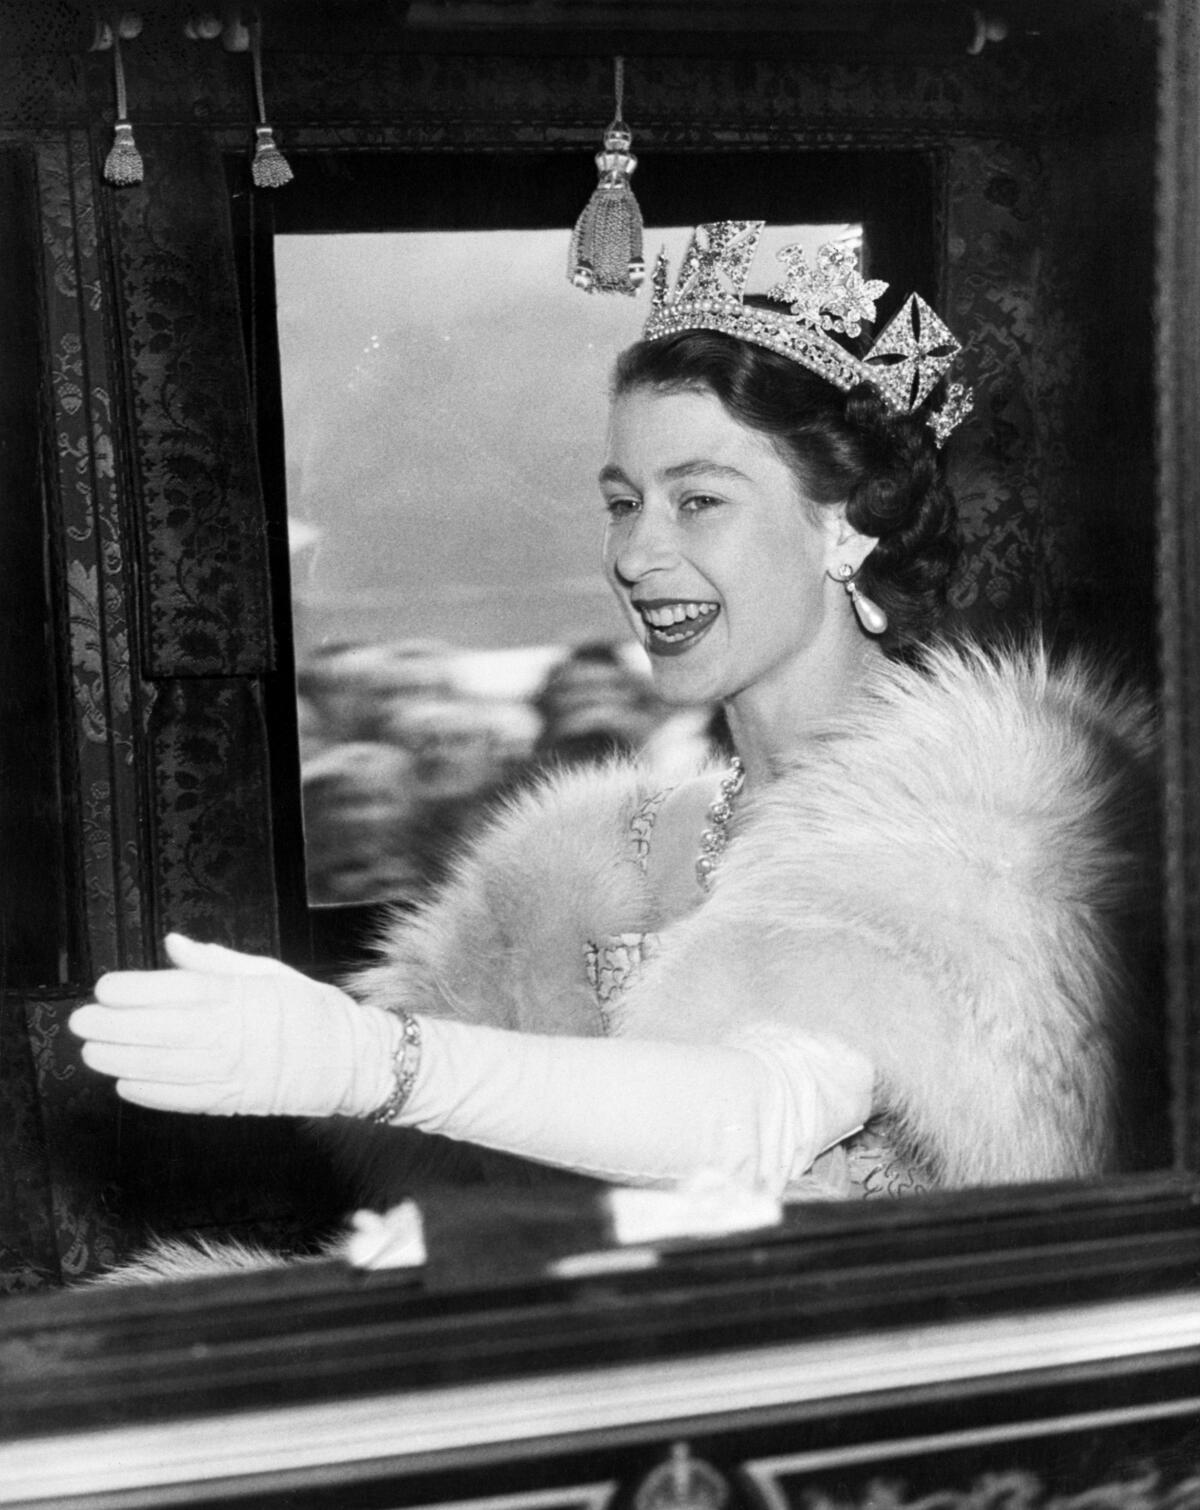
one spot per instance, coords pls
(718, 560)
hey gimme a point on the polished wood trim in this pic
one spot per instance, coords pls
(766, 1473)
(399, 1426)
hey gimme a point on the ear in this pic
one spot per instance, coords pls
(844, 545)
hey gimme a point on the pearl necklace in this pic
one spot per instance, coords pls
(716, 836)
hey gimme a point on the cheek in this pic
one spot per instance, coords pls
(802, 560)
(789, 591)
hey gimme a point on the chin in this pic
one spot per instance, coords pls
(679, 690)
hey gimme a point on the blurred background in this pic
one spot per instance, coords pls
(445, 400)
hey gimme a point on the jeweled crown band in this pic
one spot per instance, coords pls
(824, 301)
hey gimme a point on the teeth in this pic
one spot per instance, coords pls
(669, 614)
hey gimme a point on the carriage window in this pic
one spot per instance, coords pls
(444, 399)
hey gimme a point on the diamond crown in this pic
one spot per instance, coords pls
(823, 302)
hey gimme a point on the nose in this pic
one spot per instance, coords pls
(642, 544)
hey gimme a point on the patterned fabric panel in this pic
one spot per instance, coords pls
(207, 605)
(28, 1250)
(87, 515)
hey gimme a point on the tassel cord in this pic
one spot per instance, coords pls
(268, 168)
(260, 102)
(119, 74)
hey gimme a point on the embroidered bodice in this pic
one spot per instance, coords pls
(865, 1165)
(614, 959)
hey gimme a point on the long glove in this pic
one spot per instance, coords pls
(228, 1032)
(757, 1108)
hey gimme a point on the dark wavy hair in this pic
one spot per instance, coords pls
(840, 446)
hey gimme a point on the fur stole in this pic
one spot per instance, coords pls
(957, 879)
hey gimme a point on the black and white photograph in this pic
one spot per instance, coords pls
(600, 759)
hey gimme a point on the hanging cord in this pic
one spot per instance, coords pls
(269, 168)
(606, 245)
(123, 165)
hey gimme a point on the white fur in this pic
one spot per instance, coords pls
(938, 883)
(549, 875)
(191, 1258)
(945, 880)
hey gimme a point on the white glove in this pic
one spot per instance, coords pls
(236, 1033)
(230, 1033)
(757, 1108)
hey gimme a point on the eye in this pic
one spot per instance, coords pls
(621, 508)
(698, 503)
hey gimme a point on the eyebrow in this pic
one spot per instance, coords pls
(697, 468)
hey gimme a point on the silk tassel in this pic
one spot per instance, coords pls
(123, 165)
(606, 245)
(268, 168)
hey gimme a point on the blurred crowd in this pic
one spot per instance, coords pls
(404, 747)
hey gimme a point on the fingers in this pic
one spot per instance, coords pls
(164, 1027)
(201, 976)
(175, 1098)
(164, 1044)
(214, 959)
(153, 988)
(125, 1061)
(190, 1051)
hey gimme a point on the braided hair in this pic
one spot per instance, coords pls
(847, 447)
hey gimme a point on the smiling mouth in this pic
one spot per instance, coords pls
(674, 625)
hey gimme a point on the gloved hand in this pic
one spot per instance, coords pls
(229, 1033)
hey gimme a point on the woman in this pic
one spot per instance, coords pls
(890, 948)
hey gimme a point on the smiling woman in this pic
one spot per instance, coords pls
(913, 964)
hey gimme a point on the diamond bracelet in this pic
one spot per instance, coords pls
(406, 1061)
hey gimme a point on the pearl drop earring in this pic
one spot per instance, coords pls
(870, 615)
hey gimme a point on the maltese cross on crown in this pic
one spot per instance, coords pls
(828, 299)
